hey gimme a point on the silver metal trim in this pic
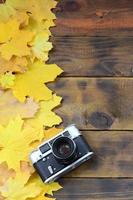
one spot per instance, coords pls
(73, 130)
(50, 169)
(74, 133)
(37, 155)
(79, 161)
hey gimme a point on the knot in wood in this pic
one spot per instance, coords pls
(100, 120)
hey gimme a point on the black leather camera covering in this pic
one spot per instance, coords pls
(42, 165)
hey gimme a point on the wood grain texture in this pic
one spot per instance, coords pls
(94, 17)
(93, 56)
(93, 38)
(96, 189)
(113, 155)
(96, 103)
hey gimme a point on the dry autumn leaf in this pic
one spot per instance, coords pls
(7, 80)
(18, 188)
(44, 25)
(31, 83)
(8, 30)
(8, 9)
(17, 46)
(15, 64)
(26, 167)
(22, 17)
(48, 134)
(39, 10)
(45, 117)
(10, 107)
(48, 23)
(45, 188)
(22, 188)
(15, 143)
(11, 41)
(40, 46)
(24, 38)
(5, 173)
(41, 197)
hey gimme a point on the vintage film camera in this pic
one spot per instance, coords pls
(61, 154)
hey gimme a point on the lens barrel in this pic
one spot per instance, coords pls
(64, 149)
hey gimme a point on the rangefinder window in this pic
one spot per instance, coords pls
(44, 148)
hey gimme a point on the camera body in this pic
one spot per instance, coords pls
(61, 154)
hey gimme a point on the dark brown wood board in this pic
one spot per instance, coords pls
(96, 189)
(96, 103)
(93, 43)
(113, 155)
(86, 56)
(94, 17)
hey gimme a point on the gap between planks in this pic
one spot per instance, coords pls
(96, 77)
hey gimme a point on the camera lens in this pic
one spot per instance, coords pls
(64, 149)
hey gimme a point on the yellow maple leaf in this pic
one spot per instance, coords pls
(22, 17)
(15, 143)
(8, 30)
(45, 188)
(40, 46)
(9, 8)
(10, 107)
(6, 11)
(40, 9)
(15, 64)
(7, 80)
(18, 188)
(41, 197)
(44, 25)
(18, 45)
(5, 173)
(48, 23)
(25, 166)
(26, 21)
(51, 133)
(45, 117)
(31, 83)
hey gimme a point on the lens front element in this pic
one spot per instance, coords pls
(64, 149)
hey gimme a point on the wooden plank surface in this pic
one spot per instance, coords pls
(93, 43)
(93, 56)
(96, 103)
(113, 155)
(96, 189)
(94, 17)
(84, 51)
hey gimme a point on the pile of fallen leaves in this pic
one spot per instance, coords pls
(26, 103)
